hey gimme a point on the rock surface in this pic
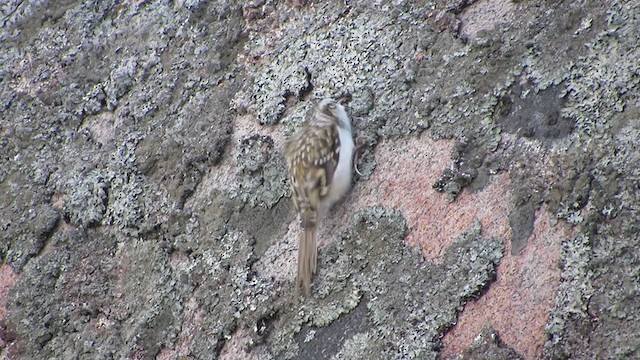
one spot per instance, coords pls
(144, 200)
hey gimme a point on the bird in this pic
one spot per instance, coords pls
(319, 157)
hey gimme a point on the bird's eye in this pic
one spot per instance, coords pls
(332, 106)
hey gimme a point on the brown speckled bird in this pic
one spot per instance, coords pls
(320, 157)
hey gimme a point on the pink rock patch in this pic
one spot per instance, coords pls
(518, 303)
(8, 279)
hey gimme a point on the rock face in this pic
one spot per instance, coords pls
(144, 200)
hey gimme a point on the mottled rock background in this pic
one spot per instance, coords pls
(144, 202)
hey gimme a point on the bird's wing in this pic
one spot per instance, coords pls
(313, 157)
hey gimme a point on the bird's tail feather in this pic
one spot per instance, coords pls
(307, 257)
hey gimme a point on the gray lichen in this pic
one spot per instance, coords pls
(487, 345)
(366, 67)
(409, 301)
(113, 113)
(573, 295)
(262, 173)
(87, 201)
(117, 194)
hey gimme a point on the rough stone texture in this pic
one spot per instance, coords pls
(518, 302)
(488, 345)
(144, 208)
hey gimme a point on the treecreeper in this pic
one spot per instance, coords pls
(320, 160)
